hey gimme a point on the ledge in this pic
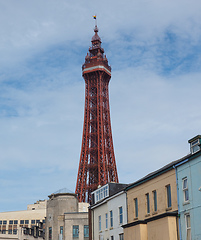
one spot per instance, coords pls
(145, 221)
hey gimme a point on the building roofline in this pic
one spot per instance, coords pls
(104, 200)
(160, 171)
(75, 213)
(62, 194)
(194, 138)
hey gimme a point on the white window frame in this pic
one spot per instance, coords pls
(195, 146)
(111, 219)
(106, 220)
(121, 215)
(188, 228)
(185, 189)
(101, 193)
(99, 223)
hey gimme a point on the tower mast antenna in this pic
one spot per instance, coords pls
(94, 17)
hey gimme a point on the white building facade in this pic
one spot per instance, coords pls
(109, 212)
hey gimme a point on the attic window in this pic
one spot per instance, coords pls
(101, 193)
(195, 146)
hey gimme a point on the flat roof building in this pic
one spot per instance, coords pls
(11, 222)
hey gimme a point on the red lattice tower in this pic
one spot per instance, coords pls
(97, 161)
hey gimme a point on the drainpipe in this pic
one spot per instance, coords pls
(90, 223)
(126, 207)
(178, 201)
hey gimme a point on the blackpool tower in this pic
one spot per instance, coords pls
(97, 164)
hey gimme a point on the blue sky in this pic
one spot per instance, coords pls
(153, 48)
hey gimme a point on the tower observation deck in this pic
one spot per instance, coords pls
(97, 164)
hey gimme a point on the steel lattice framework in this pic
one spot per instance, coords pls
(97, 161)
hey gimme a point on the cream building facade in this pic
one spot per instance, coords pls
(10, 222)
(19, 236)
(13, 223)
(152, 206)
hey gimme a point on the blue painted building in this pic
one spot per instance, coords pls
(188, 174)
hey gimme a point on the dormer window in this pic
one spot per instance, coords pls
(195, 144)
(101, 193)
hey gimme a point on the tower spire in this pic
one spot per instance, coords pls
(97, 164)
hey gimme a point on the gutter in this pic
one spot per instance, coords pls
(178, 197)
(148, 178)
(175, 167)
(178, 164)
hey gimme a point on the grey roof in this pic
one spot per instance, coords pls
(151, 175)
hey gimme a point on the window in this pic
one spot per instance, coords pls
(35, 232)
(75, 231)
(26, 221)
(0, 222)
(121, 236)
(10, 231)
(33, 221)
(30, 231)
(43, 220)
(106, 221)
(120, 215)
(101, 193)
(185, 190)
(111, 219)
(86, 231)
(155, 200)
(169, 201)
(21, 221)
(4, 222)
(195, 146)
(15, 229)
(112, 237)
(99, 222)
(97, 197)
(10, 221)
(188, 227)
(105, 191)
(15, 221)
(148, 203)
(50, 233)
(37, 221)
(61, 232)
(135, 208)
